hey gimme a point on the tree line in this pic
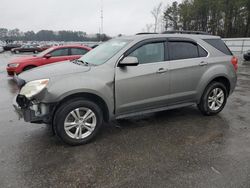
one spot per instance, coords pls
(49, 35)
(227, 18)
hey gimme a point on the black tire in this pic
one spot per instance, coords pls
(29, 67)
(64, 110)
(246, 58)
(204, 106)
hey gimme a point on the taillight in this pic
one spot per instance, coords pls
(234, 61)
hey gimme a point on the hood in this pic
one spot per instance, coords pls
(24, 59)
(53, 70)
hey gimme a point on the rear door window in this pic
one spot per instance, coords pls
(219, 45)
(182, 50)
(60, 52)
(78, 51)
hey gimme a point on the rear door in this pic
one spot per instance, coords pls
(188, 62)
(144, 86)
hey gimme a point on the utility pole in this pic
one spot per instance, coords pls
(101, 30)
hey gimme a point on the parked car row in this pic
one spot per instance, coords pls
(30, 48)
(10, 46)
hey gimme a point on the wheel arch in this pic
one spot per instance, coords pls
(218, 78)
(89, 96)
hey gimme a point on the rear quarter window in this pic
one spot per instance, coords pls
(219, 45)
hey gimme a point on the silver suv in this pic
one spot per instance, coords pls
(127, 76)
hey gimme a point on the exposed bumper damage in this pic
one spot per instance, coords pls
(32, 111)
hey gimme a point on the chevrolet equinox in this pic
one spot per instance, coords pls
(124, 77)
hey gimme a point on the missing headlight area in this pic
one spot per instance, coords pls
(32, 110)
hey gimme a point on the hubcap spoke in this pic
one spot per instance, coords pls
(210, 99)
(215, 91)
(77, 113)
(70, 125)
(73, 113)
(219, 102)
(89, 126)
(77, 132)
(88, 115)
(213, 105)
(220, 94)
(80, 132)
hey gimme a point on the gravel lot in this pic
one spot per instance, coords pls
(177, 148)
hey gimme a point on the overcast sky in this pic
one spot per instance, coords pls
(120, 16)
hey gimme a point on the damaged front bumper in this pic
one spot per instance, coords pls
(32, 111)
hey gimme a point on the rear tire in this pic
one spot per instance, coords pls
(78, 121)
(213, 99)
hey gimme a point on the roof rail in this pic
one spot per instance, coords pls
(145, 33)
(186, 32)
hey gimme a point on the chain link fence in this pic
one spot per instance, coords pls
(238, 45)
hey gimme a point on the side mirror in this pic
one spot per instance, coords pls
(47, 56)
(129, 61)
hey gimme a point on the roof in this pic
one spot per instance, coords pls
(72, 46)
(150, 36)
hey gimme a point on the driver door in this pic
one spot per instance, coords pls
(147, 85)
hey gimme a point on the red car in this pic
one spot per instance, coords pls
(51, 55)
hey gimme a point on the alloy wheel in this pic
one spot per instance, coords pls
(216, 99)
(80, 123)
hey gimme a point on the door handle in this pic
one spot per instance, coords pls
(203, 63)
(161, 70)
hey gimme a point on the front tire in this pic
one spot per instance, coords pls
(213, 99)
(78, 121)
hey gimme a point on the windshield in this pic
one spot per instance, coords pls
(41, 54)
(104, 52)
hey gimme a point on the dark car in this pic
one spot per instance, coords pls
(8, 47)
(28, 48)
(247, 56)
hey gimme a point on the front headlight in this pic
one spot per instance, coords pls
(33, 87)
(13, 65)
